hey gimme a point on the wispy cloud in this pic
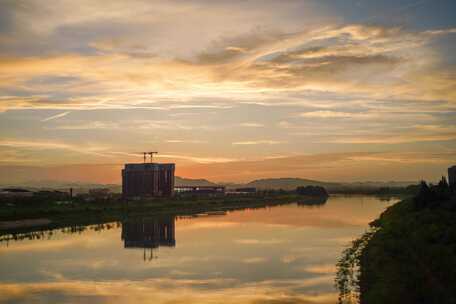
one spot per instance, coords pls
(93, 125)
(254, 260)
(251, 125)
(185, 141)
(260, 241)
(334, 114)
(320, 269)
(197, 159)
(258, 142)
(261, 81)
(56, 116)
(53, 145)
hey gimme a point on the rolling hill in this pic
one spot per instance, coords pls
(287, 183)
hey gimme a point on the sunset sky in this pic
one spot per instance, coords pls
(339, 90)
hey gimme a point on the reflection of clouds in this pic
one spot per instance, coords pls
(175, 272)
(344, 241)
(287, 217)
(259, 242)
(158, 291)
(116, 266)
(220, 259)
(289, 258)
(196, 224)
(58, 242)
(320, 269)
(44, 246)
(254, 260)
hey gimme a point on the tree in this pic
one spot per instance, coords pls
(312, 191)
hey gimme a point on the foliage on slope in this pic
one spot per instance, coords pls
(409, 256)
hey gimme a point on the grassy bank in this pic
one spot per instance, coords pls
(409, 256)
(64, 214)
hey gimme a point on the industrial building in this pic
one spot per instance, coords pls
(452, 176)
(148, 179)
(200, 190)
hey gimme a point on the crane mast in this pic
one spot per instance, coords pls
(151, 154)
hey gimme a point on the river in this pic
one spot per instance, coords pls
(282, 254)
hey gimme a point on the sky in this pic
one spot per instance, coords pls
(341, 90)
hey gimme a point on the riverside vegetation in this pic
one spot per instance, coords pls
(45, 213)
(409, 254)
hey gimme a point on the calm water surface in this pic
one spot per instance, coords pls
(283, 254)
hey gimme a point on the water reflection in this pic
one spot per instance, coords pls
(149, 233)
(282, 254)
(313, 202)
(47, 234)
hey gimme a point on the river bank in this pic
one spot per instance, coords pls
(51, 215)
(408, 255)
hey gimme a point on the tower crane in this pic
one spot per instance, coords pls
(151, 154)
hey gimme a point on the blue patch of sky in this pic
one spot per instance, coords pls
(415, 14)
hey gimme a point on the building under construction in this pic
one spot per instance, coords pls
(148, 179)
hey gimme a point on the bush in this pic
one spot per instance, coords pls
(312, 191)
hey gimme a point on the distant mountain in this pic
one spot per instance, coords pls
(51, 184)
(78, 187)
(287, 183)
(374, 184)
(84, 187)
(182, 181)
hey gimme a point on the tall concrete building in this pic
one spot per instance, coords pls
(148, 179)
(452, 176)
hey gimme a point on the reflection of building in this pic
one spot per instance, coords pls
(148, 233)
(148, 179)
(452, 176)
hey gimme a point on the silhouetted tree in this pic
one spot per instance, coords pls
(433, 195)
(424, 195)
(312, 191)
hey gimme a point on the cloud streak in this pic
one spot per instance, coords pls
(257, 142)
(56, 116)
(268, 79)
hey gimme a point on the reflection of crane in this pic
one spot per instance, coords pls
(151, 154)
(151, 255)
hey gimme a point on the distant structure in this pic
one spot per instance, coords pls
(246, 190)
(148, 179)
(452, 176)
(15, 192)
(99, 192)
(242, 191)
(200, 190)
